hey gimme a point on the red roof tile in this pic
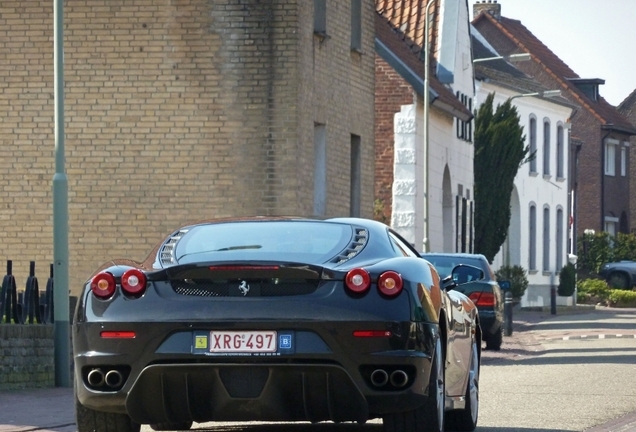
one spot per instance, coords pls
(553, 65)
(400, 27)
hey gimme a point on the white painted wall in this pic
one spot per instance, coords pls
(542, 190)
(445, 151)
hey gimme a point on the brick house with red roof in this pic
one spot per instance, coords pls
(628, 109)
(404, 169)
(600, 133)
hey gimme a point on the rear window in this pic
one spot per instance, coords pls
(295, 241)
(445, 264)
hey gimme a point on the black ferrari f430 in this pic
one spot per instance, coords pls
(276, 319)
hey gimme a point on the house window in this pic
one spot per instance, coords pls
(546, 147)
(610, 157)
(356, 25)
(320, 17)
(532, 252)
(623, 161)
(320, 169)
(356, 177)
(560, 153)
(559, 239)
(610, 225)
(464, 129)
(533, 144)
(546, 239)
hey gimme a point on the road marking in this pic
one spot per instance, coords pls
(599, 336)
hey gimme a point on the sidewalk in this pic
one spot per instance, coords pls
(532, 330)
(42, 410)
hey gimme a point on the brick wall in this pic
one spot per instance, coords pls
(337, 90)
(175, 111)
(391, 92)
(26, 356)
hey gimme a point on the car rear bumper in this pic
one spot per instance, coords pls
(490, 323)
(327, 377)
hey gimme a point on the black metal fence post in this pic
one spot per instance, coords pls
(508, 313)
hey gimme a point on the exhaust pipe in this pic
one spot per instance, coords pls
(95, 378)
(114, 378)
(379, 377)
(399, 378)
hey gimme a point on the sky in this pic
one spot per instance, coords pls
(595, 38)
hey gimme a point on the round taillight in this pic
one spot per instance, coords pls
(103, 285)
(133, 282)
(358, 280)
(390, 283)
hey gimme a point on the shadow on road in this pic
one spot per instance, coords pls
(293, 427)
(513, 429)
(580, 326)
(343, 427)
(542, 359)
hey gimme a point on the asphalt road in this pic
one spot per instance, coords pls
(574, 372)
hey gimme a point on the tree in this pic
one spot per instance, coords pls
(567, 280)
(518, 278)
(499, 153)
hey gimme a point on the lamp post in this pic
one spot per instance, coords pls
(426, 240)
(60, 213)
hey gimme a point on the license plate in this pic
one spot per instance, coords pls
(242, 341)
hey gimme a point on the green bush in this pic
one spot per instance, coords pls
(592, 291)
(596, 249)
(595, 287)
(622, 298)
(517, 276)
(567, 280)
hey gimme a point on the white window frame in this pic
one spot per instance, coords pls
(610, 225)
(560, 152)
(610, 157)
(547, 131)
(623, 161)
(532, 137)
(532, 237)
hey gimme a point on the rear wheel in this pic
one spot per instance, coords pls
(89, 420)
(495, 340)
(619, 280)
(465, 420)
(430, 416)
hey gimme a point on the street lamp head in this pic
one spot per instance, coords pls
(551, 93)
(511, 58)
(519, 57)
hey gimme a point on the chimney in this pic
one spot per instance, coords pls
(490, 6)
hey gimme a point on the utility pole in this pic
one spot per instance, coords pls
(60, 213)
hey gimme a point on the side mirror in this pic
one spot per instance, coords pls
(463, 273)
(448, 283)
(504, 285)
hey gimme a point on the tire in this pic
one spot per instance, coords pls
(171, 426)
(465, 420)
(430, 416)
(619, 281)
(495, 340)
(89, 420)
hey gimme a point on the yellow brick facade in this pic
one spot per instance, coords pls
(175, 111)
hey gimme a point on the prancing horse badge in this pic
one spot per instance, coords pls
(244, 287)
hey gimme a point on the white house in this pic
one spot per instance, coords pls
(443, 165)
(540, 207)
